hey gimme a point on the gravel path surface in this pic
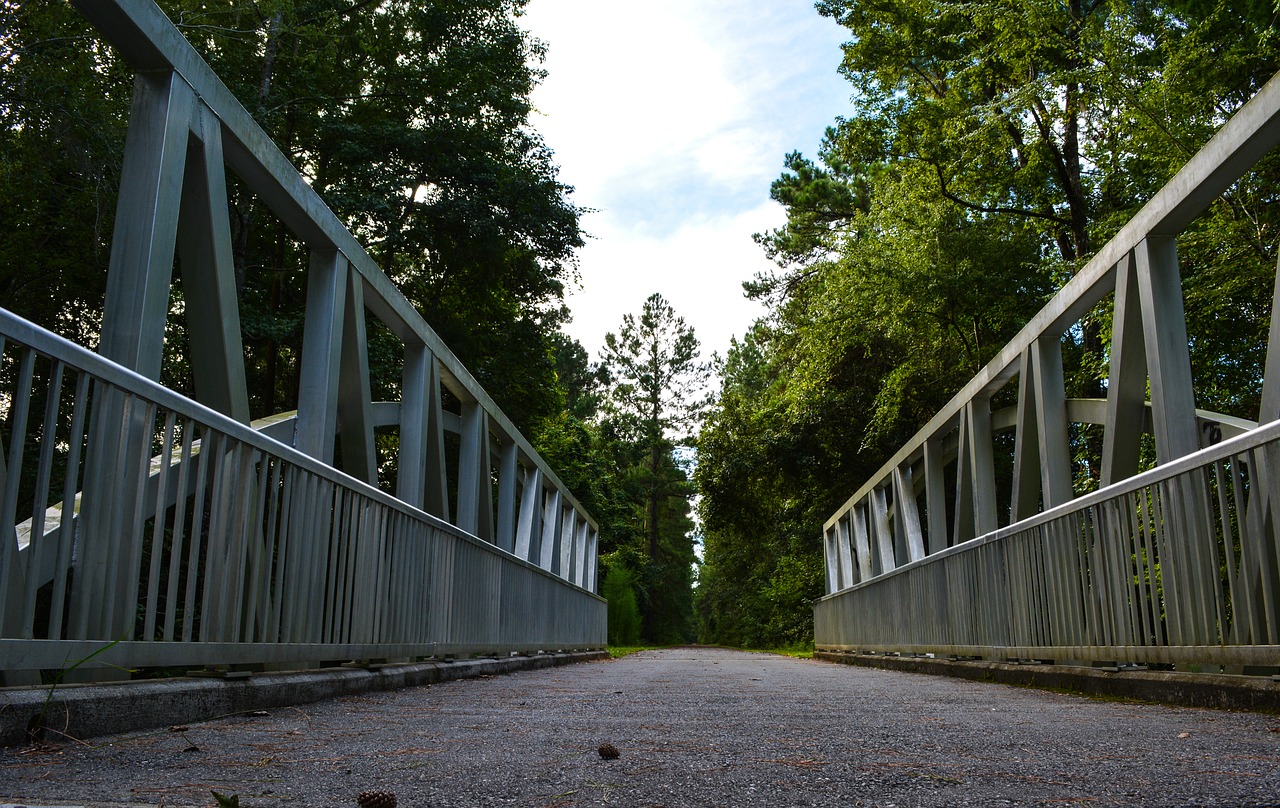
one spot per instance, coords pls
(694, 727)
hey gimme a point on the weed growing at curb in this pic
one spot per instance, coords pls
(36, 726)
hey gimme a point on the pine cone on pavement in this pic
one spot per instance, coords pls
(376, 799)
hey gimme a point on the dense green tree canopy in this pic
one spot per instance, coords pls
(990, 149)
(411, 121)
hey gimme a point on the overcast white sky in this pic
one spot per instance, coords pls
(671, 118)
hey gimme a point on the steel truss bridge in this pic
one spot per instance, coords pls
(1178, 564)
(146, 529)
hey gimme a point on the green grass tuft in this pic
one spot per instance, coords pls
(617, 651)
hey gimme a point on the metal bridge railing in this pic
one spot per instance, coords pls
(209, 543)
(130, 513)
(1178, 565)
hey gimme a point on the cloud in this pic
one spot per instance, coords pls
(698, 266)
(671, 118)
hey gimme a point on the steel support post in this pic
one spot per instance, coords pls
(208, 274)
(146, 225)
(1265, 498)
(568, 534)
(508, 487)
(906, 515)
(1126, 380)
(1164, 325)
(579, 553)
(135, 311)
(883, 533)
(415, 402)
(529, 528)
(975, 473)
(1051, 415)
(1042, 456)
(830, 561)
(475, 487)
(550, 531)
(423, 474)
(1270, 407)
(844, 553)
(593, 556)
(355, 401)
(1025, 498)
(935, 494)
(321, 362)
(861, 542)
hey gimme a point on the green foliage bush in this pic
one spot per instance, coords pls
(624, 613)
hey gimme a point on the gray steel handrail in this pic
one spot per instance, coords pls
(517, 619)
(1177, 565)
(900, 540)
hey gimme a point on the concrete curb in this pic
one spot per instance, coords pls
(86, 711)
(1214, 691)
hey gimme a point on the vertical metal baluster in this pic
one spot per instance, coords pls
(282, 590)
(333, 568)
(1132, 506)
(259, 573)
(395, 563)
(353, 549)
(320, 510)
(299, 589)
(1230, 558)
(1106, 539)
(1175, 628)
(179, 542)
(1260, 529)
(33, 575)
(1252, 627)
(10, 476)
(1155, 551)
(102, 549)
(131, 569)
(68, 521)
(208, 448)
(1131, 568)
(163, 472)
(213, 602)
(380, 585)
(241, 567)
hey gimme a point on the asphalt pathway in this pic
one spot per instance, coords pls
(693, 727)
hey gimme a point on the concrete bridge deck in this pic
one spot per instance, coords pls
(694, 727)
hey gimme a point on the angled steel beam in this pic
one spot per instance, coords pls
(146, 226)
(150, 42)
(355, 402)
(1251, 132)
(317, 424)
(1164, 326)
(1127, 380)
